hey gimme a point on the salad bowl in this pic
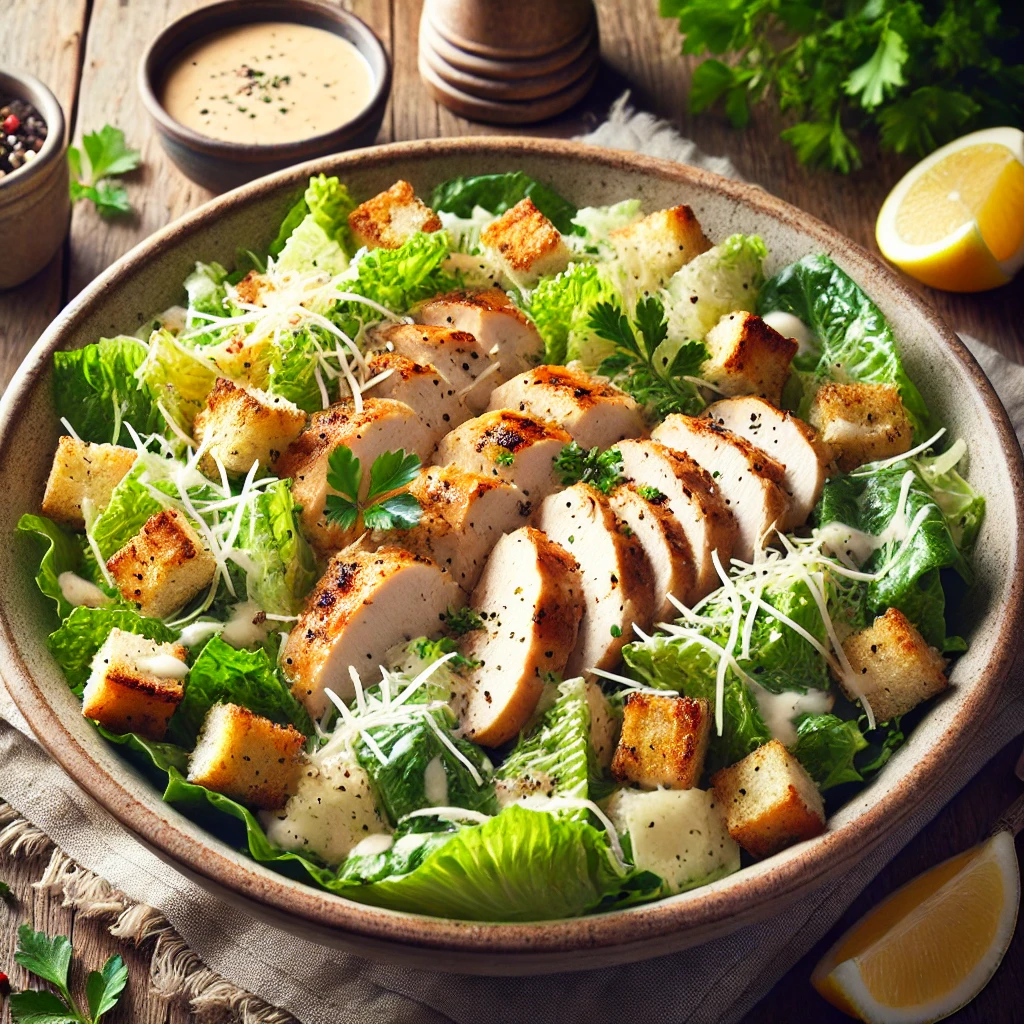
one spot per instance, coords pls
(952, 384)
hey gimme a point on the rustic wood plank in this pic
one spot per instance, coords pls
(52, 56)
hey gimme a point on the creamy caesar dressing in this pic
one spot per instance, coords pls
(435, 782)
(163, 666)
(81, 592)
(268, 82)
(790, 326)
(196, 633)
(247, 625)
(373, 845)
(779, 709)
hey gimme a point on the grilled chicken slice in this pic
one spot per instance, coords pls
(456, 355)
(502, 330)
(531, 601)
(383, 425)
(694, 500)
(618, 586)
(464, 515)
(789, 440)
(421, 387)
(594, 412)
(364, 603)
(645, 511)
(750, 480)
(507, 446)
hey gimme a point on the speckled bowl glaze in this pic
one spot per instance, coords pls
(149, 278)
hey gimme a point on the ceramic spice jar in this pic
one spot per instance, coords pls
(35, 207)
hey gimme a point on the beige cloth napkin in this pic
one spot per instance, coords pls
(714, 984)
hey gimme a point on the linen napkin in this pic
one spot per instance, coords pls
(718, 982)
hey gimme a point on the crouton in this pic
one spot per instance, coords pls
(525, 243)
(83, 472)
(163, 566)
(747, 357)
(240, 426)
(769, 800)
(652, 249)
(247, 757)
(861, 422)
(136, 684)
(663, 741)
(894, 668)
(391, 218)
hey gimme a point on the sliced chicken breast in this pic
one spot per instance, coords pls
(456, 355)
(422, 387)
(646, 512)
(593, 411)
(502, 330)
(750, 480)
(618, 586)
(789, 440)
(383, 425)
(531, 601)
(364, 603)
(693, 498)
(509, 446)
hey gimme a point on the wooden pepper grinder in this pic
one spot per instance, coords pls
(503, 63)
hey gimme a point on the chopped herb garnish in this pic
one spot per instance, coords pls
(602, 470)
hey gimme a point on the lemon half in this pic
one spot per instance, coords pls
(956, 220)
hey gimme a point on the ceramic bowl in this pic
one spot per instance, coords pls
(149, 278)
(35, 207)
(219, 165)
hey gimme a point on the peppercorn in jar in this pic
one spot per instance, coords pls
(22, 134)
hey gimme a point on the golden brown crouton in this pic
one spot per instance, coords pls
(240, 426)
(247, 757)
(163, 566)
(663, 741)
(83, 472)
(135, 685)
(861, 422)
(391, 218)
(652, 249)
(747, 357)
(769, 800)
(894, 668)
(526, 243)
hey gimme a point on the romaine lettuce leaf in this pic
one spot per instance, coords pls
(62, 552)
(205, 289)
(95, 389)
(293, 364)
(961, 505)
(84, 632)
(856, 342)
(826, 746)
(131, 504)
(321, 239)
(248, 678)
(500, 192)
(596, 223)
(178, 380)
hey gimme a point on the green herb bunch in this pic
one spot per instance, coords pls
(918, 72)
(602, 470)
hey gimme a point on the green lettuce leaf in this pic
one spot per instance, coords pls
(62, 552)
(205, 289)
(596, 223)
(961, 505)
(293, 365)
(856, 342)
(826, 746)
(131, 504)
(500, 192)
(84, 632)
(176, 378)
(222, 674)
(321, 239)
(95, 389)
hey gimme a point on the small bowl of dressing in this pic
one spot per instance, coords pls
(245, 87)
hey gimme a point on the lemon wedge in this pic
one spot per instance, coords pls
(956, 220)
(931, 946)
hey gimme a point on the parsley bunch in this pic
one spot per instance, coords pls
(918, 72)
(50, 960)
(389, 472)
(653, 375)
(106, 156)
(602, 470)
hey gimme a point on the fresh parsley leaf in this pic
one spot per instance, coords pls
(344, 474)
(462, 620)
(649, 493)
(341, 511)
(398, 512)
(882, 74)
(616, 631)
(392, 470)
(40, 1008)
(651, 322)
(46, 958)
(505, 458)
(107, 153)
(105, 156)
(103, 988)
(599, 469)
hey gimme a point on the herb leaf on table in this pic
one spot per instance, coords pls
(105, 156)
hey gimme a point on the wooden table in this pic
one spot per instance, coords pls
(86, 51)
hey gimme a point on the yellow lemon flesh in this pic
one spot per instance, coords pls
(956, 220)
(931, 946)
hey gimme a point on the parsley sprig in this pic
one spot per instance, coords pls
(600, 469)
(106, 156)
(642, 364)
(390, 472)
(50, 960)
(918, 72)
(462, 620)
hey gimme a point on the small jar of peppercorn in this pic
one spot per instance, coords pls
(35, 207)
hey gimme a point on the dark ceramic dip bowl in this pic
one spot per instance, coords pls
(219, 165)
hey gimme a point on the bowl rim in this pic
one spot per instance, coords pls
(153, 63)
(32, 90)
(622, 935)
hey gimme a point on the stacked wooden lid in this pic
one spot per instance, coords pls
(504, 63)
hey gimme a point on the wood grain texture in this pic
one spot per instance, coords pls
(640, 51)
